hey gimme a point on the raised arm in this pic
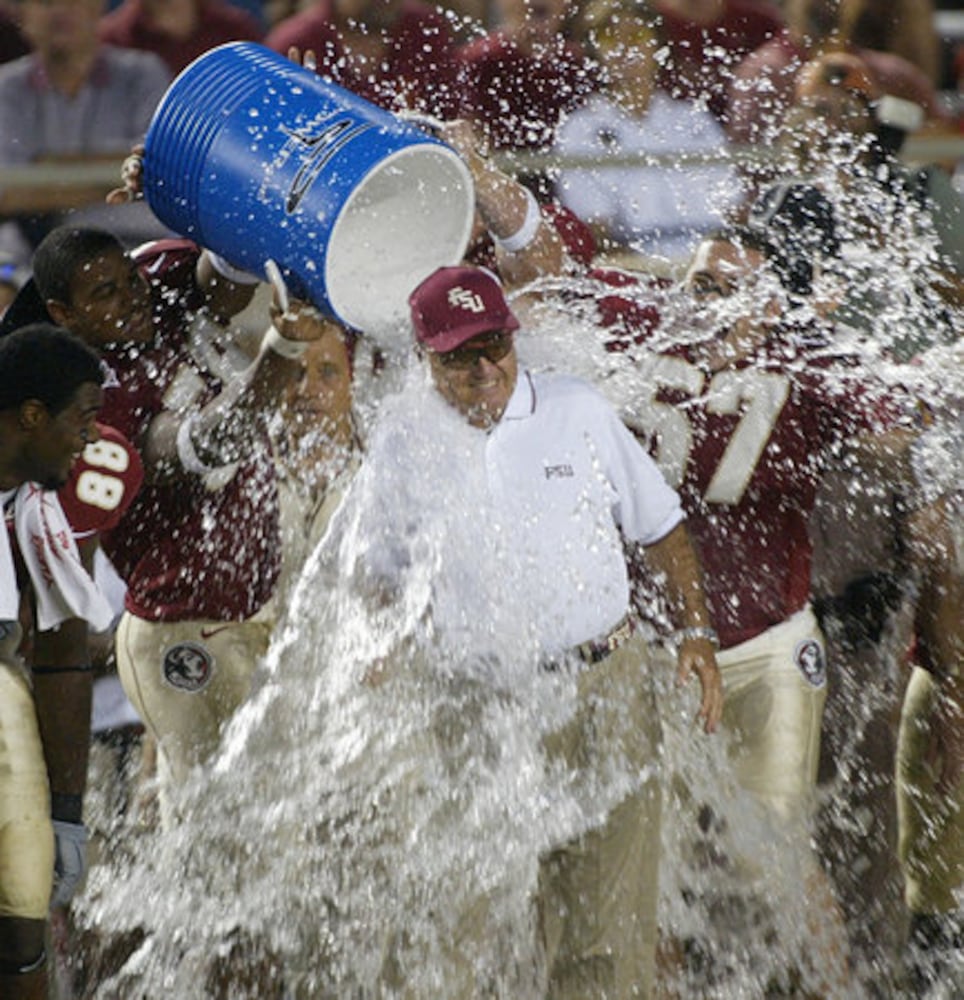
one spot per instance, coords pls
(527, 245)
(220, 433)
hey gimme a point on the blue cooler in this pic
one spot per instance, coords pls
(258, 158)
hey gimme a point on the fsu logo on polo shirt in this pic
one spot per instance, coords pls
(808, 656)
(188, 666)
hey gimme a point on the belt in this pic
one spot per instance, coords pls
(596, 650)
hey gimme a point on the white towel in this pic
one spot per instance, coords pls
(9, 595)
(64, 589)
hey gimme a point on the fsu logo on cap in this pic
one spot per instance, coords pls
(808, 656)
(188, 666)
(462, 298)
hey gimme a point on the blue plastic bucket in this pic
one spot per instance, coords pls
(258, 158)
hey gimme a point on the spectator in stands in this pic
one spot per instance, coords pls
(893, 221)
(661, 209)
(13, 44)
(72, 100)
(518, 80)
(762, 85)
(11, 280)
(398, 54)
(902, 27)
(177, 30)
(707, 39)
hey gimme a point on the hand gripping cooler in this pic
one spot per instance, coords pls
(258, 158)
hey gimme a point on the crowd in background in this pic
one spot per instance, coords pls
(667, 77)
(669, 158)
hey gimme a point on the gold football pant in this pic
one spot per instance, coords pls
(26, 832)
(598, 893)
(931, 827)
(774, 689)
(186, 680)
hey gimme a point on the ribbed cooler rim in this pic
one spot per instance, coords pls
(185, 113)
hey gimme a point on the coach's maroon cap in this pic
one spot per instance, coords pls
(455, 304)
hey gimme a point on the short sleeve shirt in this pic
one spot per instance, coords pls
(108, 115)
(565, 471)
(419, 71)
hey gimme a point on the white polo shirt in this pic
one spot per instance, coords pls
(572, 481)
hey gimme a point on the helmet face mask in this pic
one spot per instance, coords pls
(800, 226)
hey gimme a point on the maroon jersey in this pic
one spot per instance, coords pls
(746, 447)
(519, 99)
(418, 72)
(103, 483)
(130, 26)
(702, 59)
(186, 551)
(761, 88)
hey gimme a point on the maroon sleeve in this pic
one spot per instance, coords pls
(103, 483)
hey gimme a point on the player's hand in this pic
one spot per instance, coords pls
(698, 656)
(132, 178)
(301, 321)
(307, 59)
(70, 860)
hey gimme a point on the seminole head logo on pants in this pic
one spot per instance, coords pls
(187, 666)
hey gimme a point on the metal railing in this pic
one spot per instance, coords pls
(106, 174)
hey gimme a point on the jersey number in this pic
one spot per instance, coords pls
(101, 489)
(756, 397)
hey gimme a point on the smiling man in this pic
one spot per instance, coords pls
(562, 466)
(200, 547)
(49, 397)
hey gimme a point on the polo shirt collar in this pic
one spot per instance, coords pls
(522, 402)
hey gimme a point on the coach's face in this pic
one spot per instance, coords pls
(478, 377)
(110, 302)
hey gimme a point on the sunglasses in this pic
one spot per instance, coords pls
(493, 349)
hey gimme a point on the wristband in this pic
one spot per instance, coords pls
(290, 349)
(526, 233)
(698, 632)
(66, 808)
(186, 451)
(229, 271)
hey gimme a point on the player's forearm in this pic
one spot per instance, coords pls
(674, 557)
(62, 684)
(224, 297)
(508, 210)
(225, 430)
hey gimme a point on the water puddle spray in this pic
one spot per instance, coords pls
(373, 824)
